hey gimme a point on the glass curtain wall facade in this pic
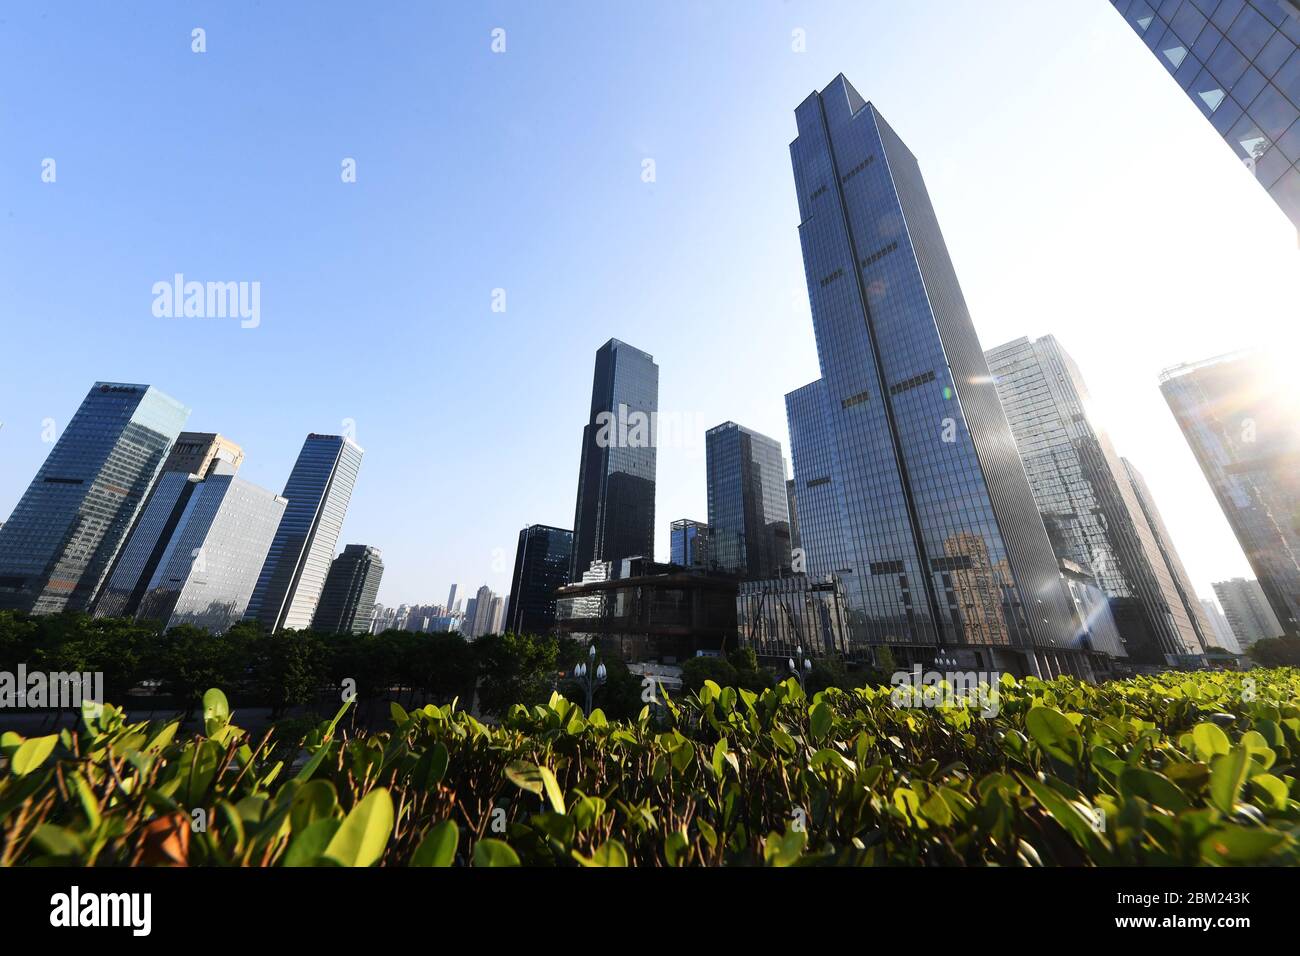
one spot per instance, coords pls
(347, 602)
(59, 543)
(1239, 63)
(749, 524)
(818, 491)
(1239, 414)
(319, 489)
(542, 562)
(942, 531)
(689, 541)
(1091, 513)
(211, 561)
(614, 517)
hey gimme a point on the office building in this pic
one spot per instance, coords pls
(615, 513)
(210, 554)
(689, 543)
(1239, 414)
(347, 602)
(818, 493)
(1237, 61)
(58, 545)
(793, 508)
(319, 489)
(944, 545)
(195, 453)
(1084, 495)
(1247, 611)
(1223, 636)
(749, 520)
(542, 562)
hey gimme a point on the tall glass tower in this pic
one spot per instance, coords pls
(749, 519)
(319, 489)
(945, 543)
(1239, 414)
(542, 563)
(347, 602)
(615, 513)
(1087, 501)
(1239, 62)
(59, 543)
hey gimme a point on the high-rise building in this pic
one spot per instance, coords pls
(1247, 611)
(467, 619)
(818, 492)
(451, 600)
(793, 508)
(1238, 62)
(347, 602)
(498, 614)
(59, 543)
(1239, 414)
(195, 453)
(615, 513)
(749, 521)
(319, 489)
(542, 562)
(478, 615)
(1223, 636)
(209, 559)
(1182, 583)
(689, 543)
(1086, 500)
(945, 542)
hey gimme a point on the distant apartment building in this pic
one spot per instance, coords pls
(1247, 610)
(1223, 636)
(347, 600)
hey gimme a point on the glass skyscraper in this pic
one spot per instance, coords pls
(615, 513)
(542, 563)
(1239, 413)
(818, 489)
(689, 543)
(347, 602)
(1092, 515)
(1239, 62)
(65, 532)
(319, 489)
(943, 540)
(749, 519)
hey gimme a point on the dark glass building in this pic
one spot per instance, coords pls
(347, 602)
(689, 542)
(1092, 515)
(818, 491)
(749, 520)
(59, 543)
(615, 513)
(1239, 414)
(319, 489)
(542, 564)
(1238, 62)
(944, 542)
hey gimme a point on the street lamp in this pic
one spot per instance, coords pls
(590, 674)
(800, 672)
(944, 658)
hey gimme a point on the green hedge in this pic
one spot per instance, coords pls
(1177, 769)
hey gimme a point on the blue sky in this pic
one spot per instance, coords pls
(1080, 193)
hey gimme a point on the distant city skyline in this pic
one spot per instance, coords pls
(1056, 225)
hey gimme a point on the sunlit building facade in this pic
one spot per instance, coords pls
(1247, 611)
(749, 521)
(689, 543)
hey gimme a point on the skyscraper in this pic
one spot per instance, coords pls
(1247, 611)
(195, 453)
(1086, 499)
(689, 543)
(817, 489)
(542, 561)
(1238, 62)
(63, 535)
(945, 543)
(347, 602)
(1239, 414)
(209, 561)
(1173, 565)
(479, 616)
(451, 600)
(615, 513)
(1223, 636)
(319, 489)
(749, 524)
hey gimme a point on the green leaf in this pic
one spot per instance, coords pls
(31, 754)
(553, 792)
(361, 840)
(1236, 844)
(216, 712)
(307, 847)
(820, 719)
(314, 800)
(611, 853)
(310, 767)
(1154, 787)
(525, 776)
(1227, 774)
(1210, 741)
(438, 848)
(1273, 788)
(676, 848)
(784, 849)
(1055, 733)
(494, 853)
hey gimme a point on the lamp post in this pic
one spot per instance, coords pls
(801, 669)
(943, 658)
(590, 674)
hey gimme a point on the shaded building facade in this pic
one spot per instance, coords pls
(543, 560)
(614, 517)
(1239, 414)
(689, 543)
(935, 497)
(347, 601)
(749, 520)
(1247, 611)
(58, 545)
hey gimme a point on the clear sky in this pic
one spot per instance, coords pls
(1080, 192)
